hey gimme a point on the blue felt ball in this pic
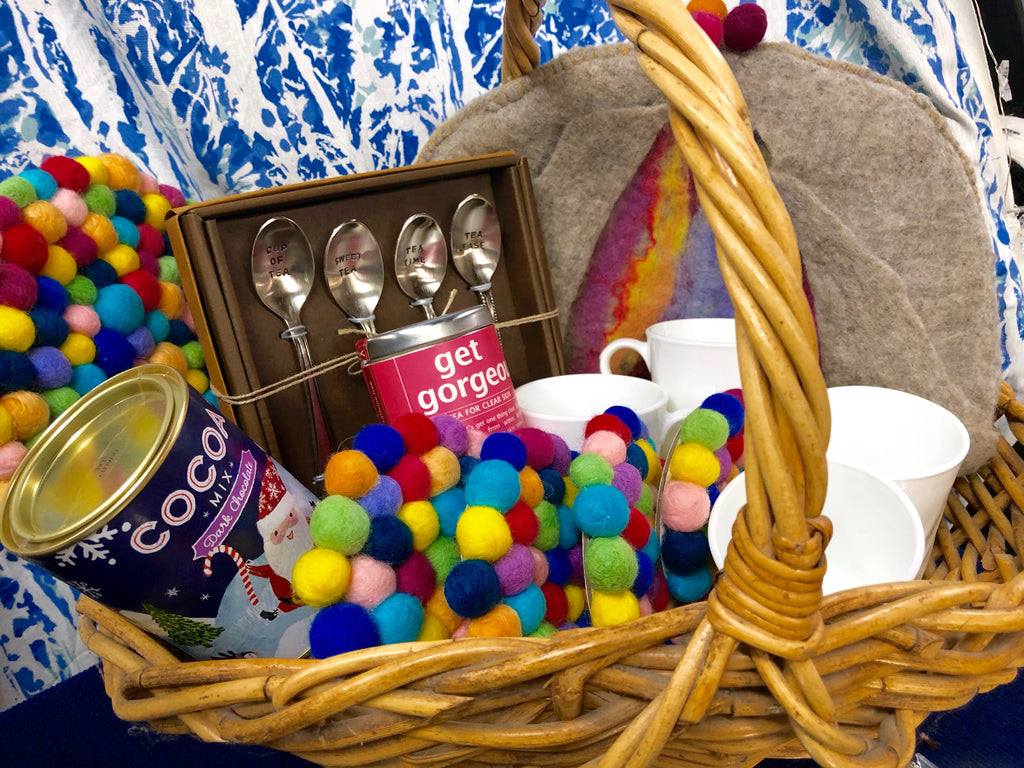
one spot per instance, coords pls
(568, 532)
(601, 510)
(472, 588)
(16, 371)
(43, 183)
(390, 540)
(530, 605)
(51, 295)
(584, 619)
(158, 324)
(384, 498)
(554, 485)
(635, 455)
(559, 566)
(652, 548)
(449, 506)
(86, 377)
(504, 446)
(52, 368)
(688, 587)
(628, 417)
(142, 341)
(382, 444)
(399, 618)
(713, 494)
(100, 272)
(178, 333)
(51, 328)
(127, 233)
(341, 628)
(129, 205)
(114, 353)
(466, 464)
(212, 400)
(493, 483)
(119, 308)
(684, 551)
(644, 575)
(730, 407)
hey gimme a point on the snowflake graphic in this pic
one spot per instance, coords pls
(92, 548)
(87, 589)
(172, 592)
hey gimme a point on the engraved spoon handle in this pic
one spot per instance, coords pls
(323, 443)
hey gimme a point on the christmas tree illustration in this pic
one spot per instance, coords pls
(181, 629)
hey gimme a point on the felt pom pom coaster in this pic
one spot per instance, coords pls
(88, 288)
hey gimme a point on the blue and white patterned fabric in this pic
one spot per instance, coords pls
(224, 96)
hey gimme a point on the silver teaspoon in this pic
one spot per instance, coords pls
(283, 273)
(354, 270)
(421, 259)
(476, 247)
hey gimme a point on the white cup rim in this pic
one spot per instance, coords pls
(634, 382)
(722, 330)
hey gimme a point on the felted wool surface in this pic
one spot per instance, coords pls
(898, 260)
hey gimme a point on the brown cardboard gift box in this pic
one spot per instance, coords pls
(212, 244)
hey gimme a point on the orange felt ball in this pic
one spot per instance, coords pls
(46, 219)
(121, 172)
(349, 473)
(500, 621)
(30, 412)
(172, 300)
(444, 468)
(170, 354)
(438, 607)
(99, 228)
(716, 7)
(531, 487)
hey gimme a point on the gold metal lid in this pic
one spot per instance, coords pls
(92, 460)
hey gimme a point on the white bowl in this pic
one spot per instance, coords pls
(877, 534)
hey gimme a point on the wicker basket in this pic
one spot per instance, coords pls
(766, 668)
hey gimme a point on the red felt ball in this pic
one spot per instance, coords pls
(523, 523)
(658, 594)
(67, 172)
(413, 477)
(81, 247)
(637, 530)
(150, 240)
(557, 603)
(25, 246)
(735, 447)
(540, 448)
(744, 26)
(711, 24)
(606, 422)
(418, 432)
(416, 577)
(146, 285)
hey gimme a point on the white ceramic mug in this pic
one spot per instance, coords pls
(563, 405)
(689, 358)
(877, 534)
(916, 443)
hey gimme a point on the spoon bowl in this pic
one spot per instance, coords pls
(354, 271)
(421, 260)
(476, 247)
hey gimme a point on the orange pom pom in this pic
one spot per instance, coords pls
(167, 353)
(172, 300)
(349, 473)
(46, 219)
(99, 228)
(121, 172)
(531, 487)
(500, 621)
(30, 412)
(716, 7)
(438, 607)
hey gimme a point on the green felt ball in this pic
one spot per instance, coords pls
(546, 629)
(19, 189)
(705, 427)
(193, 354)
(590, 469)
(100, 199)
(549, 531)
(341, 524)
(443, 554)
(81, 290)
(609, 563)
(168, 270)
(59, 400)
(646, 501)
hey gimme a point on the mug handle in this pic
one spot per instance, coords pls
(640, 347)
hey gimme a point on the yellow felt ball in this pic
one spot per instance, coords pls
(321, 577)
(60, 265)
(483, 534)
(653, 475)
(610, 608)
(349, 473)
(531, 487)
(78, 348)
(6, 426)
(46, 219)
(577, 600)
(97, 170)
(170, 354)
(29, 411)
(98, 227)
(500, 621)
(437, 606)
(121, 172)
(433, 628)
(197, 380)
(570, 492)
(695, 464)
(157, 208)
(421, 517)
(716, 7)
(123, 258)
(172, 300)
(17, 331)
(444, 469)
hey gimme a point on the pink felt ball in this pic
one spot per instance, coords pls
(173, 195)
(82, 319)
(606, 444)
(11, 454)
(461, 631)
(474, 442)
(147, 184)
(744, 26)
(711, 24)
(71, 204)
(370, 582)
(18, 288)
(645, 603)
(684, 506)
(541, 569)
(515, 570)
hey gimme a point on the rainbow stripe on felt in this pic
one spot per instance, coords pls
(655, 261)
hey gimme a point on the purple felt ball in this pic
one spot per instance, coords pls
(744, 26)
(451, 433)
(628, 480)
(18, 288)
(575, 555)
(515, 570)
(142, 341)
(384, 498)
(561, 456)
(52, 368)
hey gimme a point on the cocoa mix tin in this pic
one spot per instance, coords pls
(452, 364)
(145, 497)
